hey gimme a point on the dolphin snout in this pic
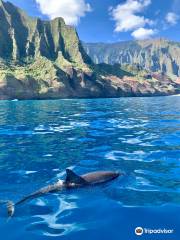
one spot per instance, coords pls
(117, 174)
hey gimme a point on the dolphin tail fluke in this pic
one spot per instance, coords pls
(10, 207)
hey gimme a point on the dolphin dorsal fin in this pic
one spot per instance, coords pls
(72, 177)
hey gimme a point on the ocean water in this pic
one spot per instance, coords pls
(137, 136)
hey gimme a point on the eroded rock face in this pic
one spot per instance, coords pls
(78, 84)
(23, 38)
(130, 86)
(44, 79)
(154, 55)
(45, 60)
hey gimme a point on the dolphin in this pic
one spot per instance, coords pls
(72, 181)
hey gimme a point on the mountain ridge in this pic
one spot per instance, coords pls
(153, 55)
(44, 59)
(28, 37)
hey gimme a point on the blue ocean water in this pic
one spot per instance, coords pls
(138, 136)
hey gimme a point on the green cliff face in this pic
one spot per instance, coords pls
(23, 38)
(45, 60)
(159, 55)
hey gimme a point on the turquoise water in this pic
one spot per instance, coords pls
(139, 136)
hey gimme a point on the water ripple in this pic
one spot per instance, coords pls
(137, 136)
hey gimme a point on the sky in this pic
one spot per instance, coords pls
(112, 20)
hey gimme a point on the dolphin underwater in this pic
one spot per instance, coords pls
(72, 181)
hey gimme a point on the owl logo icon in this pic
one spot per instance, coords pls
(139, 231)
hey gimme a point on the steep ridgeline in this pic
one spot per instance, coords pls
(23, 38)
(158, 55)
(40, 59)
(45, 60)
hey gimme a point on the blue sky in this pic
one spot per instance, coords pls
(112, 20)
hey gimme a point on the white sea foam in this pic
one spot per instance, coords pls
(48, 155)
(135, 156)
(79, 124)
(61, 128)
(23, 172)
(56, 170)
(138, 189)
(60, 175)
(30, 172)
(40, 202)
(127, 126)
(132, 141)
(41, 127)
(71, 139)
(111, 156)
(142, 181)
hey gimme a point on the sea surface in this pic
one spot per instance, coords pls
(137, 136)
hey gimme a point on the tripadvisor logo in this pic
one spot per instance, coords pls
(139, 231)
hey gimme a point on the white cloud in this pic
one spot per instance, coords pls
(143, 33)
(70, 10)
(172, 18)
(127, 16)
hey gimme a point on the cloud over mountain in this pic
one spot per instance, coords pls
(172, 18)
(70, 10)
(143, 33)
